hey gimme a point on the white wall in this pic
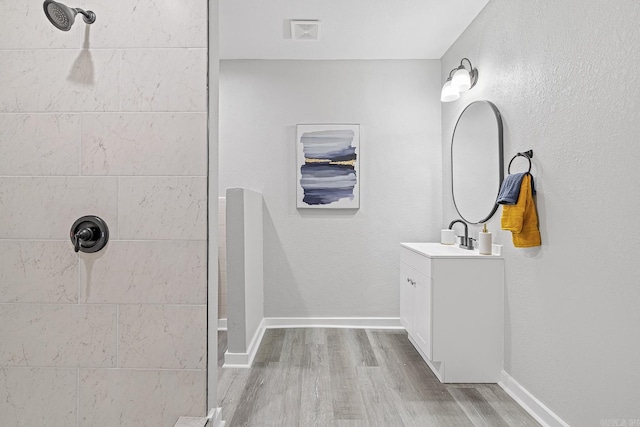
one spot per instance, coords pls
(253, 261)
(564, 75)
(222, 257)
(335, 263)
(245, 271)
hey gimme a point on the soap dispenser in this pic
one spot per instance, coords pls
(484, 241)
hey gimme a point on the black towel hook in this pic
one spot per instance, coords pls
(526, 154)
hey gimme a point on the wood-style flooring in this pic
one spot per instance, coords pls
(353, 377)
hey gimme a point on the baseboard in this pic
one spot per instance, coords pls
(333, 322)
(244, 360)
(222, 324)
(529, 403)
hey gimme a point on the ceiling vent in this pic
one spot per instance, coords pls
(305, 30)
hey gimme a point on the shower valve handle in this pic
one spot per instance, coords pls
(89, 234)
(85, 235)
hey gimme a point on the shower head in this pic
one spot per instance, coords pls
(63, 17)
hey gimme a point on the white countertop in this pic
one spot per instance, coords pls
(438, 250)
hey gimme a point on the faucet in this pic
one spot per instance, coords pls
(466, 242)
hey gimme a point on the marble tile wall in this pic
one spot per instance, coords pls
(109, 120)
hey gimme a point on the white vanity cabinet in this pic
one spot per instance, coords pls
(451, 304)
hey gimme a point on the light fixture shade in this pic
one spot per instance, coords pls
(461, 80)
(449, 93)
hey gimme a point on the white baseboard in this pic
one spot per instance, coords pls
(529, 403)
(244, 360)
(333, 322)
(222, 324)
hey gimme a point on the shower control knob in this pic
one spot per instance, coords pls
(89, 234)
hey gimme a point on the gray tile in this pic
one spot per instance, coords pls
(327, 377)
(381, 407)
(360, 348)
(271, 347)
(512, 413)
(316, 404)
(347, 401)
(477, 409)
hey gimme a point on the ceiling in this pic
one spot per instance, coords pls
(350, 29)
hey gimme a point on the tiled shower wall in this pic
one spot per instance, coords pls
(110, 120)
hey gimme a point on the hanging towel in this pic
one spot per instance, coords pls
(510, 189)
(521, 219)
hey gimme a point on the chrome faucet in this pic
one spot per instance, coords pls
(466, 242)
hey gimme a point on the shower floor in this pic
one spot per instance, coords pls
(354, 377)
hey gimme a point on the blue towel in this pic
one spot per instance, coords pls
(510, 189)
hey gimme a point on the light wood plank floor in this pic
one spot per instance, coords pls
(353, 377)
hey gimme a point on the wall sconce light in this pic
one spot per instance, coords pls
(460, 79)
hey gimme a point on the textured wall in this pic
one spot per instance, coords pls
(222, 257)
(108, 119)
(244, 267)
(330, 262)
(564, 75)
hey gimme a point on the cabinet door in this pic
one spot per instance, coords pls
(406, 299)
(422, 312)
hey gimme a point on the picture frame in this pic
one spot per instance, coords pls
(328, 166)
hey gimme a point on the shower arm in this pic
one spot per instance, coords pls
(89, 16)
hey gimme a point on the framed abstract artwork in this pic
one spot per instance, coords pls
(328, 165)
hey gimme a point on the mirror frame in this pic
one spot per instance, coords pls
(500, 141)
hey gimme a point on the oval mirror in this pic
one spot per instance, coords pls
(477, 163)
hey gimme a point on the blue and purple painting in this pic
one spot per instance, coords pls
(328, 166)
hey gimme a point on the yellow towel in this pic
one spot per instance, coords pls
(521, 219)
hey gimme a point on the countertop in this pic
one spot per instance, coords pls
(438, 250)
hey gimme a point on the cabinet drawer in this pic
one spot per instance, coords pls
(418, 262)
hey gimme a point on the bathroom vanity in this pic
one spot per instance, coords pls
(451, 304)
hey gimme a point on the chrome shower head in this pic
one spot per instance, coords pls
(63, 17)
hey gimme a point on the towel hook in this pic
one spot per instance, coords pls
(526, 154)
